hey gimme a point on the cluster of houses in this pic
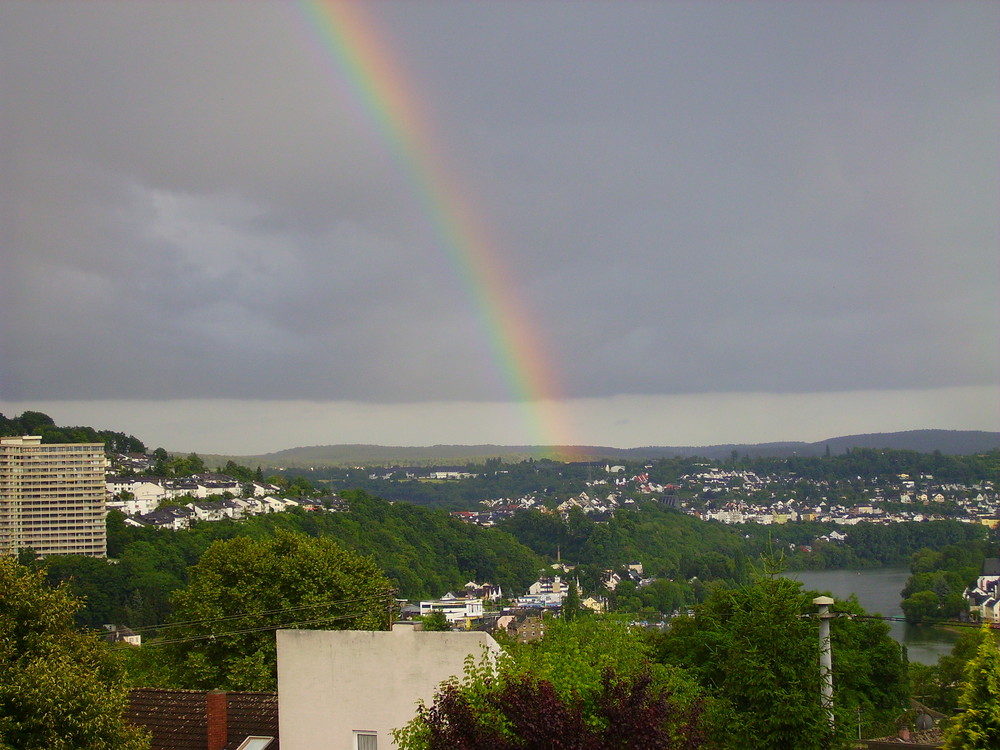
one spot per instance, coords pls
(744, 497)
(154, 501)
(984, 598)
(736, 497)
(588, 502)
(468, 610)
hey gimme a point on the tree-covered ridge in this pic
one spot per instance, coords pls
(673, 544)
(423, 552)
(870, 463)
(37, 423)
(955, 442)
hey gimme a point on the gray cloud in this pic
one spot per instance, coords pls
(693, 198)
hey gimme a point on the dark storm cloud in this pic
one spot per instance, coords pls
(693, 197)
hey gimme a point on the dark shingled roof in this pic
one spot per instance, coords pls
(177, 718)
(991, 566)
(252, 714)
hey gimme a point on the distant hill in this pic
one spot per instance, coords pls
(950, 442)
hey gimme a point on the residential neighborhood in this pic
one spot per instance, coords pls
(741, 496)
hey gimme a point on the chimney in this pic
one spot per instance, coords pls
(216, 712)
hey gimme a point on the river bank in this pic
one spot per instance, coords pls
(878, 591)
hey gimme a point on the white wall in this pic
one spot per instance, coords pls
(333, 682)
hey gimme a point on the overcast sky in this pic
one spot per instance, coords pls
(724, 221)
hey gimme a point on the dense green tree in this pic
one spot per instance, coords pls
(939, 685)
(752, 647)
(978, 725)
(37, 423)
(757, 646)
(571, 602)
(242, 590)
(935, 590)
(587, 685)
(870, 670)
(436, 621)
(60, 688)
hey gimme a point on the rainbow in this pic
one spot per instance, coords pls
(358, 58)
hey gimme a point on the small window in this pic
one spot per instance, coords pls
(365, 741)
(256, 743)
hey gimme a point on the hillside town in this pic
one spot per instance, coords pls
(711, 494)
(735, 497)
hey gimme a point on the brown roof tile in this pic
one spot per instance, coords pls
(177, 718)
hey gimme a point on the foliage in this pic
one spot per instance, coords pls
(750, 647)
(671, 544)
(37, 423)
(935, 590)
(436, 621)
(546, 479)
(939, 685)
(978, 726)
(423, 552)
(870, 669)
(525, 712)
(178, 466)
(757, 648)
(874, 545)
(60, 689)
(587, 684)
(243, 589)
(571, 602)
(868, 463)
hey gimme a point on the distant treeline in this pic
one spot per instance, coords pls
(871, 463)
(37, 423)
(957, 442)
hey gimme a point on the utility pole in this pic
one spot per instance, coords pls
(825, 656)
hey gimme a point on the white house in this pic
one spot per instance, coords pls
(456, 608)
(146, 494)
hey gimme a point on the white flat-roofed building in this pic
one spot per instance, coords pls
(456, 609)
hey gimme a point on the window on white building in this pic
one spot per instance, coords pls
(365, 741)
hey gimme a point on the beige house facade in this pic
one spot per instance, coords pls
(348, 689)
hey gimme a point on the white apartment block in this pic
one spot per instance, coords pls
(52, 497)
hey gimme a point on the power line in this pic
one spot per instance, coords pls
(261, 629)
(899, 618)
(221, 618)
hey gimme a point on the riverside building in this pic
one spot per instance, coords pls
(52, 497)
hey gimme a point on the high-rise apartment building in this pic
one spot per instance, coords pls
(52, 497)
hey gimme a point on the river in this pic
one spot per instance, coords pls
(878, 590)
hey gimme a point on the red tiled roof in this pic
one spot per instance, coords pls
(177, 718)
